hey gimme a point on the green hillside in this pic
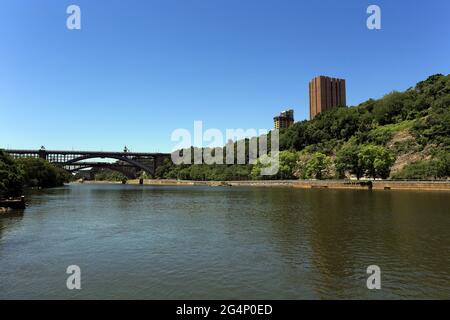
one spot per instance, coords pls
(412, 127)
(404, 135)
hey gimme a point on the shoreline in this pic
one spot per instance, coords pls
(301, 184)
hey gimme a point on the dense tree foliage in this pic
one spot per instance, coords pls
(375, 161)
(427, 105)
(426, 169)
(318, 166)
(42, 174)
(287, 162)
(11, 177)
(15, 175)
(109, 175)
(347, 160)
(203, 172)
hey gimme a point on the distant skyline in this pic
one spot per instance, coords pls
(138, 70)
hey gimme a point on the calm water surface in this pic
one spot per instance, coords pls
(235, 243)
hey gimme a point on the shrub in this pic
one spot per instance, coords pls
(11, 176)
(40, 173)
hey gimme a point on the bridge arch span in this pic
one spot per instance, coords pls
(120, 158)
(65, 158)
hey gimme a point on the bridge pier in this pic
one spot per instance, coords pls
(42, 154)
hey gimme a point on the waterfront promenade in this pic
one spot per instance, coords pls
(306, 184)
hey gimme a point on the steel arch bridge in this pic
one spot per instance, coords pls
(73, 161)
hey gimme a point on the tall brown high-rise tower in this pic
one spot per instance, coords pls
(325, 93)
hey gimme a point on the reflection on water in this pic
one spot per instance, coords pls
(250, 243)
(9, 219)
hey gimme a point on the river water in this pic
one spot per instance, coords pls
(192, 242)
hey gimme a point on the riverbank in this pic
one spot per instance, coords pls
(304, 184)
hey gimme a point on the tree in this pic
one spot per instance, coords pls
(347, 160)
(287, 162)
(319, 166)
(41, 173)
(443, 165)
(166, 169)
(376, 161)
(286, 166)
(11, 177)
(109, 175)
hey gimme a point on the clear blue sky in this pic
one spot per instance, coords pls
(137, 70)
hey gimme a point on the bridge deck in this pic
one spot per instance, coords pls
(77, 152)
(147, 161)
